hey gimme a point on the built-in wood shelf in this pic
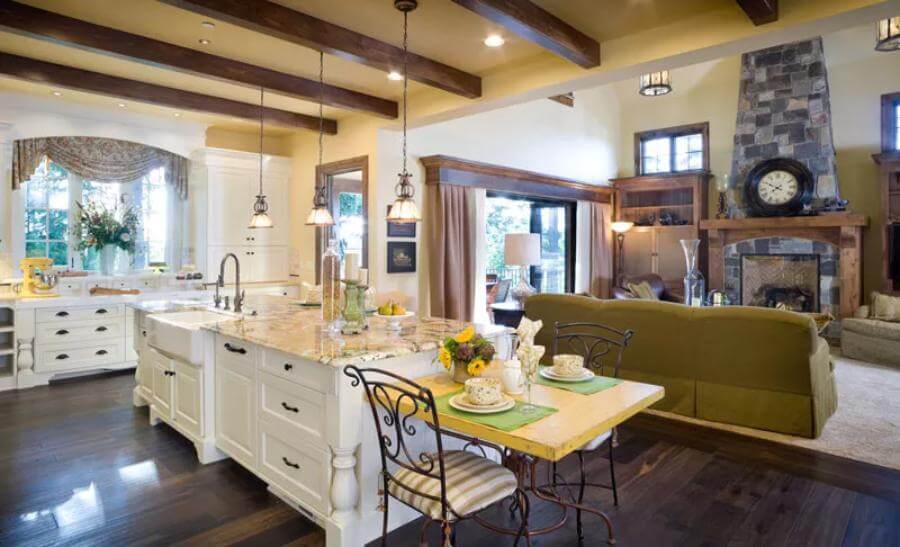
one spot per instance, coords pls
(835, 220)
(889, 166)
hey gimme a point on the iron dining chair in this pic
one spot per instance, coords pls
(445, 486)
(595, 343)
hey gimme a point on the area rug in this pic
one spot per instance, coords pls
(866, 425)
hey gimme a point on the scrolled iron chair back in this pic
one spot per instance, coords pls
(386, 393)
(595, 342)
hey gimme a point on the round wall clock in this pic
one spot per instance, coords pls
(778, 187)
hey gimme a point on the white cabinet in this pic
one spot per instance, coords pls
(258, 264)
(188, 396)
(161, 371)
(230, 201)
(236, 409)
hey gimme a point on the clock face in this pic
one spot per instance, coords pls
(777, 187)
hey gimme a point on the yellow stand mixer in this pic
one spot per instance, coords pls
(38, 279)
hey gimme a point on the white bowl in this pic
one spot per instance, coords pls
(393, 321)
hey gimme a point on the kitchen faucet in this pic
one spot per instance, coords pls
(238, 294)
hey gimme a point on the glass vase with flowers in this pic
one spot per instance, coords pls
(107, 231)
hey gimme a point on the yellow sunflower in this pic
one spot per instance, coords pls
(445, 358)
(476, 367)
(465, 335)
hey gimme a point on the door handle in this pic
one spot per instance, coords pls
(101, 311)
(289, 463)
(289, 407)
(61, 332)
(101, 329)
(62, 314)
(288, 367)
(62, 356)
(234, 349)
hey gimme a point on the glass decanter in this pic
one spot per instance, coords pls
(530, 357)
(694, 283)
(331, 285)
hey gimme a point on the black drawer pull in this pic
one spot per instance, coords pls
(62, 356)
(289, 463)
(101, 311)
(169, 372)
(62, 332)
(101, 352)
(289, 407)
(288, 367)
(62, 314)
(234, 349)
(101, 329)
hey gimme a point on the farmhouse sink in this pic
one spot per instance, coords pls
(180, 334)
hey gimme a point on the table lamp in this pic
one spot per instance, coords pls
(522, 250)
(620, 228)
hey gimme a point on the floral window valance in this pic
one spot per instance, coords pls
(98, 159)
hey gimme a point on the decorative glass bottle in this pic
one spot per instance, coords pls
(694, 284)
(331, 285)
(353, 312)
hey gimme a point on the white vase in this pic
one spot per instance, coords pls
(108, 259)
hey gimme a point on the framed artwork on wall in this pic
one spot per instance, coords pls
(400, 229)
(401, 257)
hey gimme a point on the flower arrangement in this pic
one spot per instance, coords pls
(98, 226)
(468, 349)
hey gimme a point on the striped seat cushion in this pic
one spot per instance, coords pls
(473, 483)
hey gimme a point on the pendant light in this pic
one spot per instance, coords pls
(260, 218)
(655, 84)
(320, 215)
(404, 208)
(888, 34)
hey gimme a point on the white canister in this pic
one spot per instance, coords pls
(511, 376)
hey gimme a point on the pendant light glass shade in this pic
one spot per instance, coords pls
(319, 215)
(888, 34)
(260, 218)
(655, 84)
(404, 208)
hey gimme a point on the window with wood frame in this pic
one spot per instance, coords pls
(890, 122)
(680, 149)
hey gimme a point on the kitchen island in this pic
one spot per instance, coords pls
(268, 390)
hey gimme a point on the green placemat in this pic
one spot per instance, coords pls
(509, 420)
(594, 385)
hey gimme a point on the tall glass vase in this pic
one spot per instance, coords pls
(108, 259)
(331, 286)
(694, 284)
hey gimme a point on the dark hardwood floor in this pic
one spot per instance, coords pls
(80, 465)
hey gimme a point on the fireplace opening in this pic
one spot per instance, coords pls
(782, 281)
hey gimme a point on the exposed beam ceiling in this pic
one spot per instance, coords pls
(539, 26)
(59, 28)
(42, 72)
(760, 11)
(284, 23)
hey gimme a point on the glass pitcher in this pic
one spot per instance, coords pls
(694, 283)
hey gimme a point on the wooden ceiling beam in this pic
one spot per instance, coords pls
(59, 28)
(284, 23)
(537, 25)
(760, 11)
(42, 72)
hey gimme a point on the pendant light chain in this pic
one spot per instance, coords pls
(261, 90)
(321, 102)
(405, 81)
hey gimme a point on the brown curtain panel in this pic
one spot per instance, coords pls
(98, 159)
(601, 240)
(451, 238)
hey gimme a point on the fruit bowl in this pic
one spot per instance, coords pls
(393, 321)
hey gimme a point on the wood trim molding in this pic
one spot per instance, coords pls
(675, 131)
(889, 133)
(41, 72)
(440, 169)
(48, 25)
(287, 24)
(323, 174)
(760, 11)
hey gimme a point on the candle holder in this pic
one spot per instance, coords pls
(722, 187)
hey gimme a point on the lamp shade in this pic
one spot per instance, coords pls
(522, 249)
(621, 226)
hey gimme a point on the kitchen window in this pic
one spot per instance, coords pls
(672, 150)
(890, 122)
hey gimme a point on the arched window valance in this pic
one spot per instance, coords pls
(98, 159)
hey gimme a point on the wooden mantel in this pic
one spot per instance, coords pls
(843, 230)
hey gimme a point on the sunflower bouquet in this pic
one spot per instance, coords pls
(467, 353)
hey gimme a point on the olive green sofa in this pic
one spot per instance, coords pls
(753, 367)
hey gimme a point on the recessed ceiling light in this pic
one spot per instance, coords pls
(177, 114)
(204, 41)
(121, 105)
(395, 76)
(57, 93)
(208, 24)
(494, 40)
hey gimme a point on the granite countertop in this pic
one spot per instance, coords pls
(281, 323)
(169, 306)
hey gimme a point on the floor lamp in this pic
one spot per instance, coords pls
(620, 228)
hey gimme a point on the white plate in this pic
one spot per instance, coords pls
(547, 372)
(460, 402)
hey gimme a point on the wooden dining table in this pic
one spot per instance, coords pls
(579, 419)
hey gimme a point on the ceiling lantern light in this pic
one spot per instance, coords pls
(320, 215)
(888, 34)
(404, 208)
(655, 84)
(260, 218)
(494, 40)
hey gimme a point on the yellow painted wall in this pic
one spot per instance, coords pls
(218, 137)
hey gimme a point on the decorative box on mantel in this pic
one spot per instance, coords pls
(833, 241)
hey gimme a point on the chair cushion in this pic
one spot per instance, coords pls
(885, 307)
(873, 327)
(642, 290)
(473, 483)
(594, 444)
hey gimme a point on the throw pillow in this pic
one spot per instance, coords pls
(642, 290)
(885, 308)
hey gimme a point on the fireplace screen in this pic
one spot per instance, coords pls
(786, 281)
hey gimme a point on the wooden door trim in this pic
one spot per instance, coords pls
(324, 173)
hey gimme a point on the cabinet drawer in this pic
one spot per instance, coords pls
(72, 313)
(54, 357)
(235, 350)
(315, 376)
(81, 331)
(296, 411)
(303, 472)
